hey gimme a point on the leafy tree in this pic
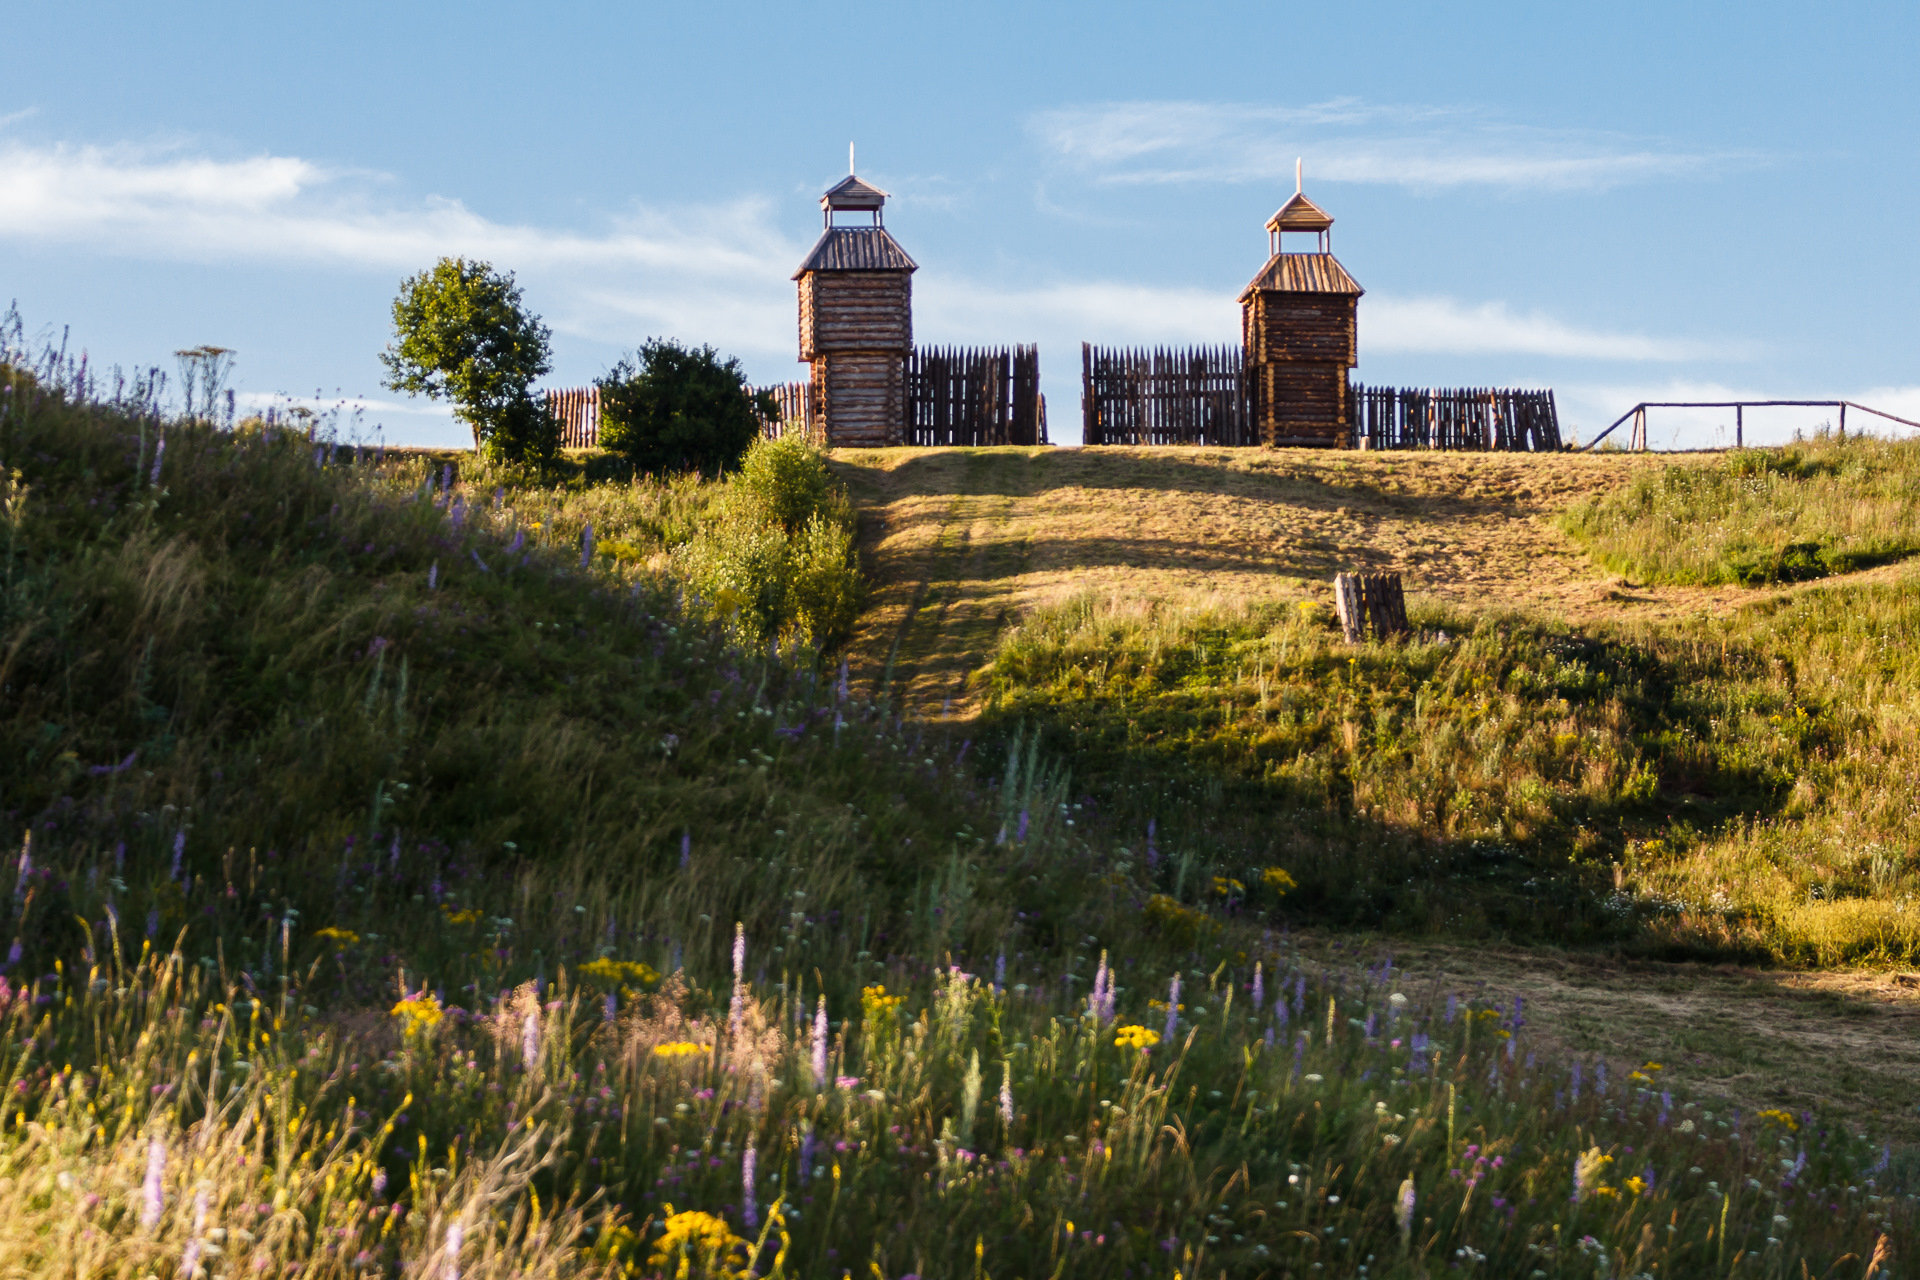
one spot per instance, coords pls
(673, 408)
(461, 333)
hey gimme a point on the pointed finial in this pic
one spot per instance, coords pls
(849, 159)
(1296, 175)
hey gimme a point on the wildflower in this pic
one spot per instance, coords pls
(1100, 1002)
(1134, 1037)
(190, 1256)
(617, 971)
(26, 867)
(1227, 886)
(1021, 836)
(159, 452)
(749, 1212)
(519, 541)
(433, 576)
(820, 1042)
(678, 1049)
(530, 1038)
(455, 1236)
(1006, 1092)
(418, 1014)
(686, 837)
(1173, 1007)
(1783, 1118)
(609, 1008)
(586, 545)
(1153, 850)
(1405, 1201)
(152, 1199)
(846, 1082)
(1277, 879)
(1586, 1174)
(876, 1003)
(179, 848)
(341, 938)
(1259, 988)
(700, 1237)
(737, 1014)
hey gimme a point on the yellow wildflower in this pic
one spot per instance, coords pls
(1277, 879)
(467, 916)
(621, 971)
(1135, 1037)
(1226, 885)
(418, 1014)
(678, 1049)
(339, 937)
(876, 1002)
(702, 1238)
(1634, 1185)
(1781, 1118)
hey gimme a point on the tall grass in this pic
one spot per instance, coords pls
(1814, 508)
(405, 890)
(1730, 788)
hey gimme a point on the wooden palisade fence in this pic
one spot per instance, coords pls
(974, 396)
(1197, 396)
(578, 409)
(1468, 419)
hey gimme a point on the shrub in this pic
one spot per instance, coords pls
(779, 563)
(673, 408)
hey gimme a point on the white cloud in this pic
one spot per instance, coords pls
(1396, 325)
(1350, 141)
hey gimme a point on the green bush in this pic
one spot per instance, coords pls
(673, 408)
(779, 563)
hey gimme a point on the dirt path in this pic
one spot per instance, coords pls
(1750, 1038)
(963, 541)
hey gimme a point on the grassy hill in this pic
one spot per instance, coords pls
(405, 884)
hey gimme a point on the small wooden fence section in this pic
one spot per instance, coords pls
(794, 409)
(1197, 396)
(974, 396)
(1465, 419)
(578, 409)
(1370, 603)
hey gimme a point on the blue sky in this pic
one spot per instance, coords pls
(1622, 202)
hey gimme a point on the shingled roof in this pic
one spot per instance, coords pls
(856, 249)
(1300, 214)
(851, 193)
(1303, 273)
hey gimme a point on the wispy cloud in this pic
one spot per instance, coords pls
(1395, 325)
(1352, 141)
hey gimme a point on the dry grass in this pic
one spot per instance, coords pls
(961, 541)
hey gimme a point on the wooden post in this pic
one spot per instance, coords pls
(1739, 426)
(1370, 602)
(1843, 419)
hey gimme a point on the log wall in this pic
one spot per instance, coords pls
(855, 311)
(860, 397)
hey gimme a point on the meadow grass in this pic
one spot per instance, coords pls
(1817, 507)
(1724, 788)
(403, 888)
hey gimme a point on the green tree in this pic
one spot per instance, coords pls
(461, 333)
(674, 408)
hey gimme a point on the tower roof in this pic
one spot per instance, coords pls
(1300, 214)
(851, 193)
(856, 249)
(1302, 273)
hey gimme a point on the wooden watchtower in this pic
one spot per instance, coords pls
(1298, 323)
(856, 322)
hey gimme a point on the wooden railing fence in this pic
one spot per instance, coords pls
(795, 412)
(974, 396)
(1483, 418)
(1201, 395)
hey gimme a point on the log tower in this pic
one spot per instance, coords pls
(856, 322)
(1298, 325)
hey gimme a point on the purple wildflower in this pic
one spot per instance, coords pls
(433, 576)
(749, 1211)
(379, 1183)
(1006, 1092)
(1020, 836)
(1100, 1002)
(152, 1198)
(190, 1256)
(179, 849)
(737, 1013)
(820, 1043)
(159, 452)
(1153, 850)
(609, 1008)
(686, 849)
(519, 541)
(1000, 972)
(153, 930)
(455, 1236)
(1407, 1201)
(1173, 1008)
(586, 545)
(807, 1144)
(530, 1039)
(1259, 988)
